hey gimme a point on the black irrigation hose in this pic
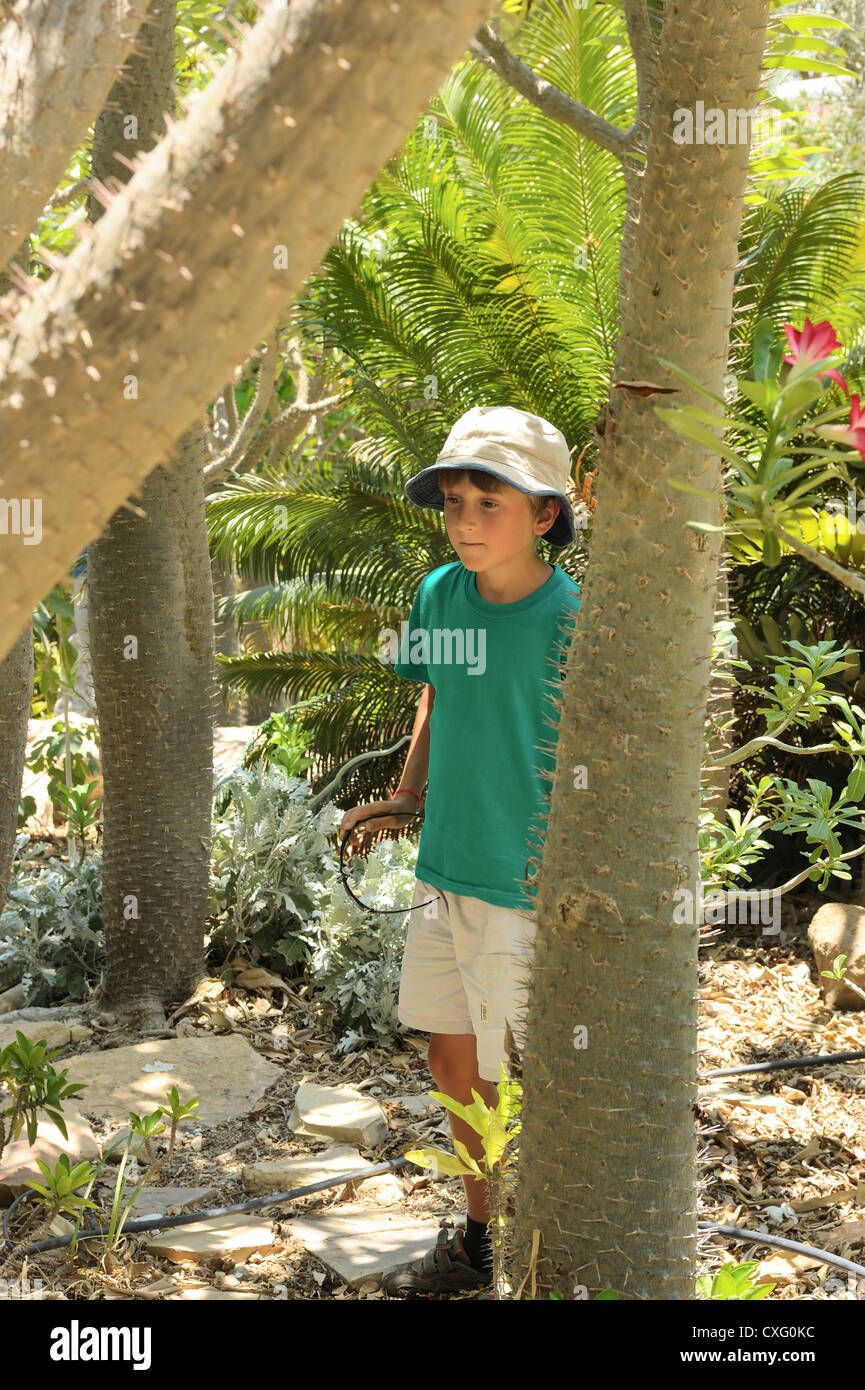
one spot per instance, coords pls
(762, 1238)
(164, 1222)
(822, 1060)
(22, 1197)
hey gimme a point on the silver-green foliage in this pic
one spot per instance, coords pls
(356, 956)
(51, 936)
(276, 893)
(270, 859)
(277, 888)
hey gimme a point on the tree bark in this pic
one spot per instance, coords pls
(207, 244)
(152, 656)
(608, 1147)
(151, 621)
(16, 692)
(716, 780)
(57, 63)
(17, 672)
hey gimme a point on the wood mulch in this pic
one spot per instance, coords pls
(783, 1152)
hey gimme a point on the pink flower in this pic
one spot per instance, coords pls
(813, 343)
(852, 433)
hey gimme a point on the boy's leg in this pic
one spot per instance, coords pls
(453, 1061)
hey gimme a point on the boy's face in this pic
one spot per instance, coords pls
(491, 528)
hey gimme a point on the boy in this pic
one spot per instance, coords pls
(485, 636)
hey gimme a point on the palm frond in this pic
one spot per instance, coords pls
(801, 253)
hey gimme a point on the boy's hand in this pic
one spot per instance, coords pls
(359, 841)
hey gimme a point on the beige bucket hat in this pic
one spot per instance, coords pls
(523, 449)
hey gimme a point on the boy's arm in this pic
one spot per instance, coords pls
(416, 768)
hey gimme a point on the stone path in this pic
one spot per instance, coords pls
(358, 1239)
(226, 1074)
(205, 1242)
(338, 1112)
(359, 1244)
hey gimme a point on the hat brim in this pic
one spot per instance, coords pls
(424, 491)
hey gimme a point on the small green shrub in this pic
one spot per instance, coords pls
(48, 754)
(33, 1085)
(733, 1281)
(279, 742)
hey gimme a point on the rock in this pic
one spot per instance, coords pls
(205, 1242)
(37, 1013)
(417, 1105)
(12, 999)
(360, 1245)
(18, 1162)
(78, 1033)
(60, 1226)
(54, 1034)
(384, 1190)
(838, 929)
(226, 1074)
(170, 1201)
(785, 1265)
(284, 1174)
(338, 1112)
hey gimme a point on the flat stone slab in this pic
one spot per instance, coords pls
(58, 1026)
(204, 1241)
(225, 1073)
(54, 1034)
(338, 1112)
(359, 1244)
(19, 1159)
(170, 1201)
(284, 1174)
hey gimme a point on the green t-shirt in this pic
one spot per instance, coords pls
(494, 668)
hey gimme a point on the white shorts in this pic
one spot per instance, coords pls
(466, 969)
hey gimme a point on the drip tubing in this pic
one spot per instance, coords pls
(763, 1238)
(187, 1218)
(274, 1199)
(824, 1059)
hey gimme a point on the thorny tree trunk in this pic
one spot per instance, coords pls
(156, 713)
(608, 1149)
(151, 623)
(716, 780)
(194, 261)
(57, 62)
(16, 692)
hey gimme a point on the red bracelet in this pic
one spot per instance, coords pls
(410, 792)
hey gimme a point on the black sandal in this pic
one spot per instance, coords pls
(447, 1268)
